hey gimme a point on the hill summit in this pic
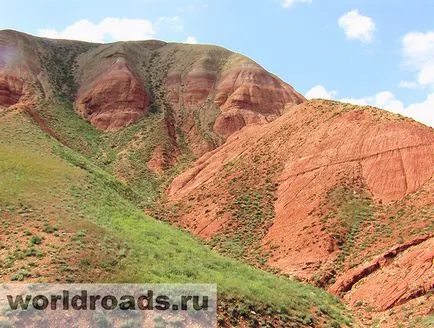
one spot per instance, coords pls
(207, 92)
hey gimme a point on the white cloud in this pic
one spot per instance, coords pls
(191, 40)
(426, 76)
(408, 84)
(387, 100)
(418, 53)
(320, 92)
(422, 112)
(115, 29)
(418, 48)
(173, 24)
(290, 3)
(357, 26)
(109, 29)
(119, 29)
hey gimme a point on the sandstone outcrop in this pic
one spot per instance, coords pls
(391, 279)
(115, 99)
(11, 90)
(209, 91)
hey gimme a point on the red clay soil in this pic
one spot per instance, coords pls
(15, 90)
(11, 90)
(198, 85)
(42, 124)
(115, 99)
(157, 162)
(424, 260)
(402, 275)
(377, 147)
(162, 159)
(322, 145)
(390, 158)
(248, 94)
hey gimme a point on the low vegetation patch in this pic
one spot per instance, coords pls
(103, 236)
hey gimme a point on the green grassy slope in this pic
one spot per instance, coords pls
(48, 188)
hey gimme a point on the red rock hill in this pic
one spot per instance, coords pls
(206, 91)
(322, 189)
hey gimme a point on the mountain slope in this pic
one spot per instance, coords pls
(66, 220)
(325, 188)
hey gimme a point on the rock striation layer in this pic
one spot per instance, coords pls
(115, 99)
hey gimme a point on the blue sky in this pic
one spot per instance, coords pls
(378, 52)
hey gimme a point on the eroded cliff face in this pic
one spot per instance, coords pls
(237, 93)
(393, 278)
(11, 90)
(248, 94)
(115, 99)
(399, 280)
(11, 87)
(18, 70)
(214, 93)
(193, 89)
